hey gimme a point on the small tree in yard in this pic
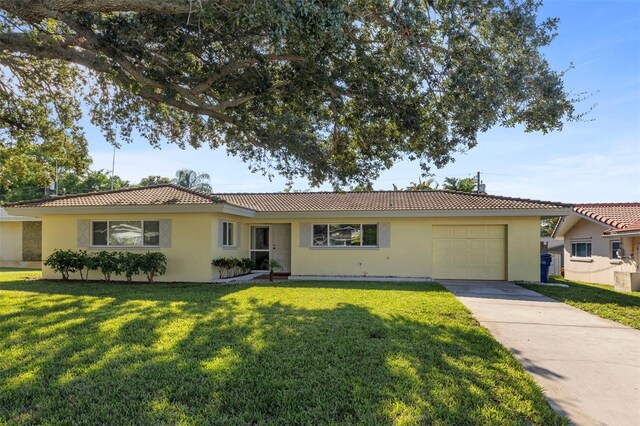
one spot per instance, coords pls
(108, 263)
(273, 264)
(129, 264)
(63, 261)
(152, 264)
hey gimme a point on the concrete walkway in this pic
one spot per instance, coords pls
(589, 367)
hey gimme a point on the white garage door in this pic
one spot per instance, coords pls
(469, 252)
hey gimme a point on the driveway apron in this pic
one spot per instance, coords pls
(589, 367)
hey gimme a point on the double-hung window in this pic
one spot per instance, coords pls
(345, 235)
(125, 233)
(615, 246)
(228, 234)
(581, 249)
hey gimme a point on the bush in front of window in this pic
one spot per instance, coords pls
(129, 264)
(62, 261)
(230, 267)
(153, 263)
(108, 262)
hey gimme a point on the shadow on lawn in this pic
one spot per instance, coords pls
(586, 293)
(182, 357)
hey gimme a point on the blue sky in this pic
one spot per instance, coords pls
(592, 161)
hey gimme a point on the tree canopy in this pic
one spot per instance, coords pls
(332, 91)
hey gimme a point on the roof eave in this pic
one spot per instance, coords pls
(124, 209)
(543, 212)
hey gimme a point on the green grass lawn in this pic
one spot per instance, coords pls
(601, 300)
(284, 353)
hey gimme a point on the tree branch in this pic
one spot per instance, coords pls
(36, 10)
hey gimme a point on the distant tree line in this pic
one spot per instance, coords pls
(70, 182)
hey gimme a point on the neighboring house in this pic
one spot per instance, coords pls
(20, 241)
(438, 234)
(556, 249)
(600, 240)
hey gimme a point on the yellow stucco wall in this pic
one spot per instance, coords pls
(600, 267)
(195, 243)
(410, 251)
(188, 258)
(11, 241)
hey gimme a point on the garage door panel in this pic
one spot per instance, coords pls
(469, 252)
(494, 245)
(460, 245)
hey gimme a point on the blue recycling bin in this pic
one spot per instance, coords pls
(545, 262)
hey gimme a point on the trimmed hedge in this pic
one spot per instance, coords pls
(230, 267)
(108, 263)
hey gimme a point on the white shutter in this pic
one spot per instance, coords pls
(220, 232)
(165, 232)
(305, 235)
(84, 233)
(384, 235)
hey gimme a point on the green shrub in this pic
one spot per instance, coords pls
(108, 262)
(63, 261)
(230, 267)
(153, 263)
(82, 263)
(129, 264)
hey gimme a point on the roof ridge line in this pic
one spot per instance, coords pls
(210, 197)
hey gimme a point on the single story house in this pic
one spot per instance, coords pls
(20, 241)
(600, 242)
(437, 234)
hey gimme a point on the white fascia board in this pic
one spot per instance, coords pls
(185, 208)
(238, 211)
(415, 213)
(571, 220)
(19, 219)
(621, 234)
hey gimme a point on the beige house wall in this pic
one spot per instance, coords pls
(599, 268)
(410, 251)
(10, 243)
(188, 257)
(195, 242)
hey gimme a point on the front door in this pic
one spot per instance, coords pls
(260, 246)
(281, 245)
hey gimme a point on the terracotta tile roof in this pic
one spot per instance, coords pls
(169, 194)
(141, 196)
(380, 201)
(617, 215)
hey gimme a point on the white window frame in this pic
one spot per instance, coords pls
(228, 234)
(362, 245)
(612, 254)
(590, 250)
(142, 245)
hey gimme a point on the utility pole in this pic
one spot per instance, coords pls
(478, 183)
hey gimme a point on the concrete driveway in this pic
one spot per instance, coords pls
(589, 367)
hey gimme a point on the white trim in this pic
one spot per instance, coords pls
(580, 259)
(413, 213)
(141, 209)
(239, 211)
(228, 234)
(350, 247)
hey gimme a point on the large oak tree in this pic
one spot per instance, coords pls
(331, 90)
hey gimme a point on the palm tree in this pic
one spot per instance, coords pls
(429, 184)
(192, 180)
(464, 185)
